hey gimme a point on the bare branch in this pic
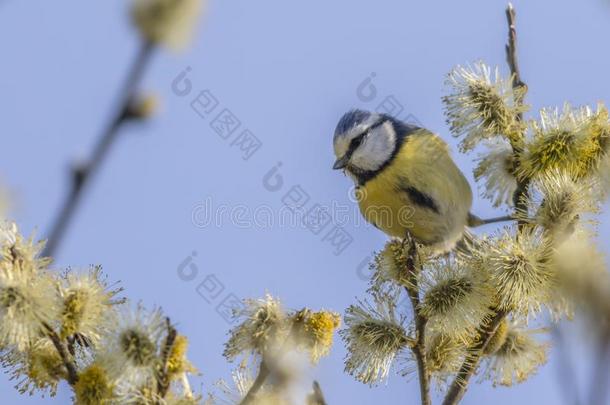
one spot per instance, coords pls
(419, 348)
(82, 175)
(511, 55)
(263, 373)
(520, 89)
(163, 377)
(460, 383)
(316, 397)
(264, 370)
(63, 354)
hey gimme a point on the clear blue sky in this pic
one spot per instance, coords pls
(287, 70)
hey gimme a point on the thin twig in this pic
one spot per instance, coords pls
(511, 55)
(568, 383)
(460, 383)
(82, 175)
(163, 377)
(419, 348)
(519, 88)
(316, 397)
(63, 354)
(474, 221)
(264, 369)
(263, 373)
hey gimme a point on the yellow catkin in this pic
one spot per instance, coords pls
(443, 354)
(45, 368)
(597, 143)
(74, 307)
(93, 387)
(552, 151)
(320, 328)
(177, 362)
(391, 263)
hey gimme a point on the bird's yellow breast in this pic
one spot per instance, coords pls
(420, 191)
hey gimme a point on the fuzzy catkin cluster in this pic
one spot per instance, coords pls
(273, 339)
(72, 326)
(554, 167)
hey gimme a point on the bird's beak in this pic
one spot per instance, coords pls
(341, 162)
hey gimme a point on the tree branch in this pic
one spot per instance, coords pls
(460, 383)
(519, 90)
(419, 348)
(82, 175)
(163, 377)
(263, 373)
(264, 370)
(511, 55)
(316, 397)
(63, 354)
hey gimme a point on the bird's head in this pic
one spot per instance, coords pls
(364, 142)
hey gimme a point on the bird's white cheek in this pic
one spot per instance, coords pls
(371, 156)
(383, 150)
(363, 161)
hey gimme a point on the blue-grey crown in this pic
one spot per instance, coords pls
(350, 119)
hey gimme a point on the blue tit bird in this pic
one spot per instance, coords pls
(406, 181)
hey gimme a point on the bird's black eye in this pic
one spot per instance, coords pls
(356, 141)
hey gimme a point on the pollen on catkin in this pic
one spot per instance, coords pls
(596, 137)
(573, 140)
(316, 331)
(456, 299)
(517, 267)
(444, 355)
(390, 266)
(374, 336)
(481, 105)
(37, 369)
(88, 305)
(93, 386)
(518, 358)
(264, 323)
(177, 361)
